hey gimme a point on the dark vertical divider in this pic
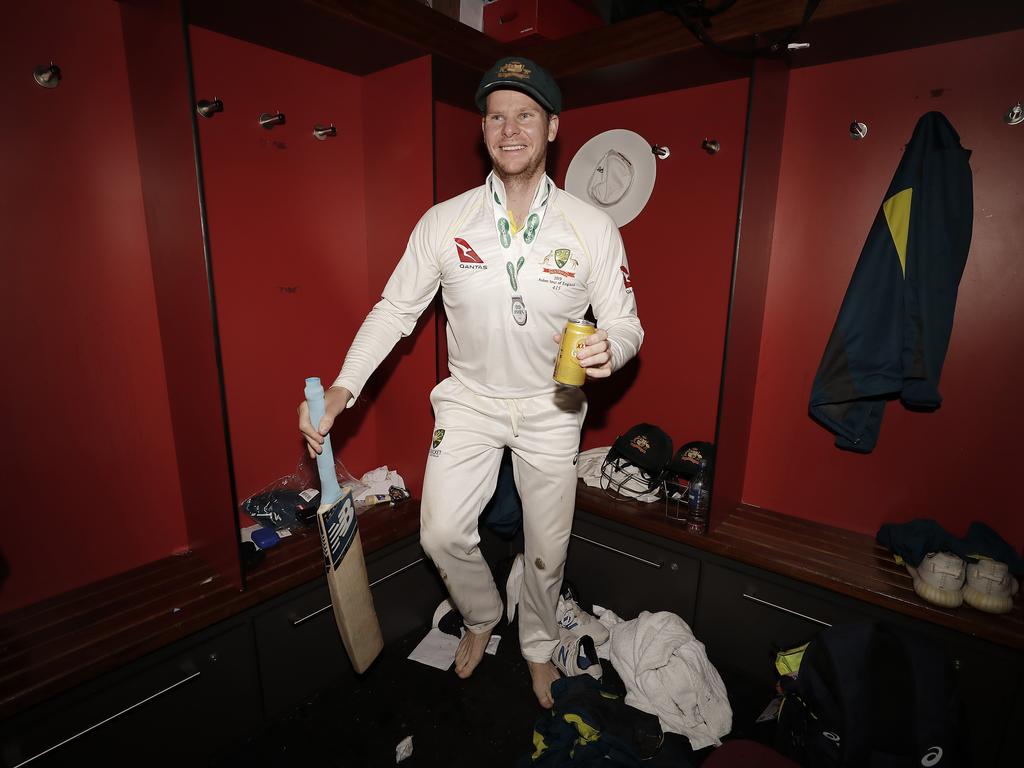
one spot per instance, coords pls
(159, 73)
(766, 113)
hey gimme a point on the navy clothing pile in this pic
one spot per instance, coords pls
(915, 539)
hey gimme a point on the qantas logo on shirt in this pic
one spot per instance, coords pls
(625, 278)
(467, 256)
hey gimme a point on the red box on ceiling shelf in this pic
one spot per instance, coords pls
(511, 20)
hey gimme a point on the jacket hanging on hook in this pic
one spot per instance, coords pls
(893, 329)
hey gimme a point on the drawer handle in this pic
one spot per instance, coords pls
(124, 711)
(785, 610)
(395, 573)
(617, 551)
(327, 607)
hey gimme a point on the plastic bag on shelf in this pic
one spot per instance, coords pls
(294, 499)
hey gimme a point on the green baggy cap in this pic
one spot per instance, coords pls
(519, 74)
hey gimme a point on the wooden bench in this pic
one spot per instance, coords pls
(50, 646)
(53, 645)
(835, 559)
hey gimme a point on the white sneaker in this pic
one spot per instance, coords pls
(578, 622)
(939, 579)
(577, 655)
(990, 587)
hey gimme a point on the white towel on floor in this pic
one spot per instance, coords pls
(668, 674)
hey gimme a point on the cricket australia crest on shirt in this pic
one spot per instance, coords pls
(468, 258)
(559, 268)
(436, 441)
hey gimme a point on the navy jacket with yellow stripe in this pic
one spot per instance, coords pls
(893, 329)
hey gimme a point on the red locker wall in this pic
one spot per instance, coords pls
(680, 251)
(287, 235)
(88, 453)
(961, 462)
(399, 171)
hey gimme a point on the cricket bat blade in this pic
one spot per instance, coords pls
(354, 612)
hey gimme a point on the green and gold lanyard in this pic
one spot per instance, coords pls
(509, 243)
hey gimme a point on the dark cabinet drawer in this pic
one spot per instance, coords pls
(300, 649)
(742, 618)
(628, 574)
(179, 709)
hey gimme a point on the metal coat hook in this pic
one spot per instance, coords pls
(323, 132)
(660, 152)
(208, 109)
(47, 76)
(268, 120)
(711, 146)
(1014, 115)
(858, 130)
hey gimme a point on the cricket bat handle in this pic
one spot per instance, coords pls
(330, 491)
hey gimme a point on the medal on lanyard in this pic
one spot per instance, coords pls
(533, 222)
(518, 305)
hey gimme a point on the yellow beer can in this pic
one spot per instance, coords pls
(567, 370)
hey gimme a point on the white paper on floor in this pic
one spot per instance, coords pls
(404, 749)
(438, 648)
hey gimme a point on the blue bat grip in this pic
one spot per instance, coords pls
(330, 491)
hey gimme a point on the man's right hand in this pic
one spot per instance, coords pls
(335, 400)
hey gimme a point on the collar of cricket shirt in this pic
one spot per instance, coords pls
(516, 249)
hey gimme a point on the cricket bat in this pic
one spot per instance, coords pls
(343, 552)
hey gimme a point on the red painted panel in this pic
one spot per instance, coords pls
(79, 321)
(764, 149)
(680, 252)
(399, 187)
(288, 245)
(158, 78)
(960, 463)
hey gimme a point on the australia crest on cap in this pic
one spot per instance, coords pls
(514, 69)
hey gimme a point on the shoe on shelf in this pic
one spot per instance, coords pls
(939, 579)
(575, 620)
(990, 587)
(576, 655)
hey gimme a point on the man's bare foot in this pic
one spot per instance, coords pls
(470, 651)
(543, 674)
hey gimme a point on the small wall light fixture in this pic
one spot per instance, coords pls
(268, 120)
(208, 109)
(1015, 114)
(711, 146)
(47, 75)
(324, 132)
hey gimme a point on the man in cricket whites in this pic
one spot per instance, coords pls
(515, 259)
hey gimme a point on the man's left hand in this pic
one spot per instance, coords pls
(596, 356)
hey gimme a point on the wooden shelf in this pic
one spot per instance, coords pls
(48, 647)
(836, 559)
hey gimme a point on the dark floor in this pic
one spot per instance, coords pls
(486, 720)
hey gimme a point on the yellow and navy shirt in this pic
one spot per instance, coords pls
(576, 260)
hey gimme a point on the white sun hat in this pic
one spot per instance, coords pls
(614, 171)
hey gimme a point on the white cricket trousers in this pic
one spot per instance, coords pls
(470, 433)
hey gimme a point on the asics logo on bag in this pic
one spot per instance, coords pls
(467, 256)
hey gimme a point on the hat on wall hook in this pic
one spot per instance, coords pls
(660, 152)
(206, 108)
(1015, 114)
(324, 132)
(268, 120)
(47, 75)
(711, 146)
(858, 130)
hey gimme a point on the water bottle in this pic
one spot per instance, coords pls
(698, 492)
